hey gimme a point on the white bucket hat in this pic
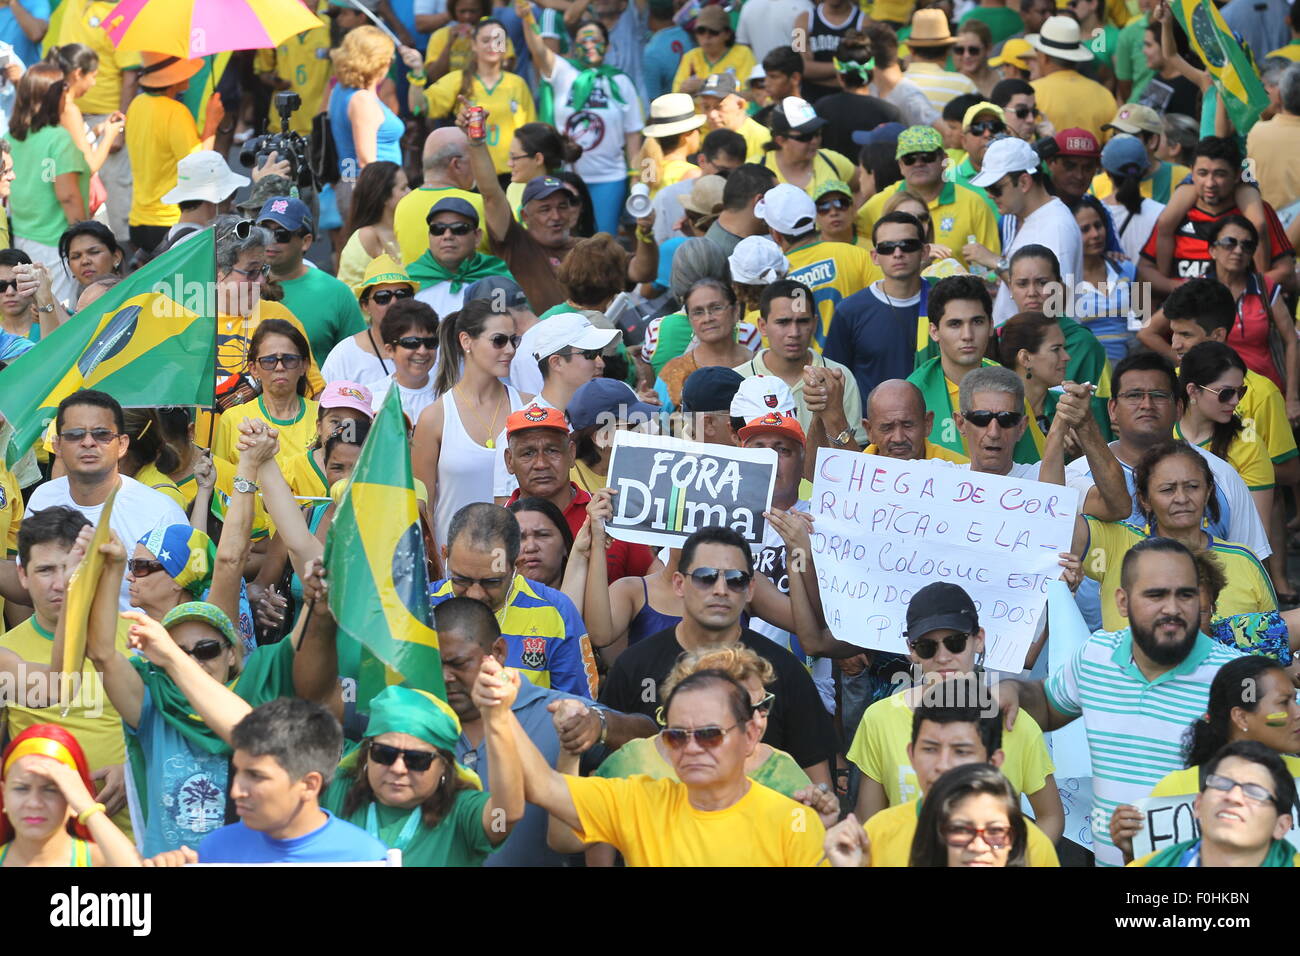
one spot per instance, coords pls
(204, 176)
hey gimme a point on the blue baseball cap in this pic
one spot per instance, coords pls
(1124, 155)
(710, 389)
(604, 398)
(884, 133)
(542, 186)
(511, 293)
(455, 205)
(292, 214)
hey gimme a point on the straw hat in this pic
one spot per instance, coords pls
(159, 70)
(671, 115)
(1060, 39)
(930, 28)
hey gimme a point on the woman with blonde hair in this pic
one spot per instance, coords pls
(365, 129)
(672, 134)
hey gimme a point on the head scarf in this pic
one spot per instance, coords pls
(49, 740)
(186, 554)
(402, 710)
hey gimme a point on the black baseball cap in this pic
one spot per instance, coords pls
(710, 389)
(941, 607)
(453, 204)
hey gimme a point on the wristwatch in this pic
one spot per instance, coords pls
(244, 486)
(45, 308)
(842, 439)
(604, 725)
(1003, 264)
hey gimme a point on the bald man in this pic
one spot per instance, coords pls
(898, 422)
(447, 172)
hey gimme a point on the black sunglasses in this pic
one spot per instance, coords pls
(385, 296)
(707, 577)
(499, 340)
(981, 419)
(888, 248)
(417, 761)
(764, 706)
(290, 362)
(801, 137)
(206, 650)
(964, 50)
(1248, 246)
(1024, 112)
(281, 234)
(487, 584)
(589, 354)
(143, 567)
(826, 205)
(995, 189)
(455, 228)
(7, 284)
(413, 342)
(993, 126)
(911, 159)
(707, 31)
(927, 647)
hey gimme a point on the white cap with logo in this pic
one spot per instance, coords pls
(570, 330)
(761, 395)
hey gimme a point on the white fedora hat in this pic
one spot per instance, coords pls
(1060, 38)
(671, 114)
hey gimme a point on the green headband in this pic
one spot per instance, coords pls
(863, 70)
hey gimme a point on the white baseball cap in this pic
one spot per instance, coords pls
(757, 260)
(204, 176)
(1010, 155)
(761, 395)
(788, 209)
(570, 330)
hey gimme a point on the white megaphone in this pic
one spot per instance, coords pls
(638, 202)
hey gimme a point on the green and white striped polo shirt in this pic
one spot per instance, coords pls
(1135, 726)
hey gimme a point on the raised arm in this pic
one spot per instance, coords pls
(814, 636)
(573, 15)
(1108, 498)
(316, 659)
(110, 843)
(256, 446)
(543, 56)
(122, 682)
(496, 208)
(282, 506)
(505, 806)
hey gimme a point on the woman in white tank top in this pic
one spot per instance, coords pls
(452, 449)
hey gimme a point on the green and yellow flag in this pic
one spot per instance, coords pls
(150, 340)
(376, 562)
(1231, 66)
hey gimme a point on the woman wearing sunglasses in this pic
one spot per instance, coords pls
(1033, 346)
(1251, 698)
(970, 55)
(718, 52)
(971, 817)
(945, 643)
(361, 357)
(835, 212)
(1212, 380)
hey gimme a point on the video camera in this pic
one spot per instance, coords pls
(288, 145)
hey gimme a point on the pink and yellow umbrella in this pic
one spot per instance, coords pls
(197, 28)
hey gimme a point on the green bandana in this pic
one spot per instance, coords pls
(427, 271)
(582, 87)
(1280, 853)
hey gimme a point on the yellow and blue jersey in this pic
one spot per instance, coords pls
(545, 637)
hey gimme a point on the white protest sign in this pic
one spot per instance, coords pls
(885, 528)
(1170, 820)
(669, 488)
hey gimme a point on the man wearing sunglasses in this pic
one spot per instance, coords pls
(957, 210)
(452, 262)
(323, 304)
(714, 580)
(447, 173)
(981, 123)
(1020, 110)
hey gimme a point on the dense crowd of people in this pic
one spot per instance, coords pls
(1042, 241)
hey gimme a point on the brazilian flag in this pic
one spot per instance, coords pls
(1229, 63)
(150, 340)
(376, 562)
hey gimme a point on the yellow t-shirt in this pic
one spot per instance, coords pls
(304, 61)
(408, 218)
(833, 270)
(879, 750)
(1264, 410)
(1069, 99)
(461, 49)
(304, 477)
(509, 105)
(1248, 454)
(92, 718)
(931, 451)
(957, 213)
(106, 95)
(891, 832)
(11, 516)
(188, 488)
(1103, 187)
(672, 172)
(160, 132)
(828, 166)
(296, 434)
(1189, 780)
(652, 823)
(739, 59)
(1248, 585)
(756, 137)
(155, 479)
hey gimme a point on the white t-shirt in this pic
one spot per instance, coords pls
(1051, 225)
(349, 362)
(414, 400)
(1136, 230)
(765, 25)
(668, 209)
(601, 127)
(504, 483)
(524, 373)
(1018, 469)
(441, 299)
(137, 511)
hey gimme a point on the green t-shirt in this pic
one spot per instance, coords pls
(1104, 45)
(326, 308)
(1002, 23)
(778, 772)
(457, 840)
(1129, 62)
(35, 212)
(675, 335)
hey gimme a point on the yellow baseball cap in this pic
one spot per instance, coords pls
(1014, 52)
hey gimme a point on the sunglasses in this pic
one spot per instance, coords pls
(927, 647)
(676, 738)
(802, 137)
(707, 577)
(487, 584)
(995, 189)
(413, 342)
(958, 836)
(981, 419)
(826, 205)
(967, 50)
(102, 436)
(385, 296)
(1248, 246)
(205, 650)
(911, 159)
(1251, 791)
(455, 228)
(290, 362)
(1137, 396)
(707, 31)
(499, 340)
(255, 273)
(993, 127)
(765, 705)
(1226, 395)
(143, 567)
(589, 354)
(281, 234)
(1024, 112)
(7, 284)
(417, 761)
(888, 248)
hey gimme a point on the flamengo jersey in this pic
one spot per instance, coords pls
(1192, 247)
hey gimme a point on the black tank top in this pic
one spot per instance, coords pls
(824, 40)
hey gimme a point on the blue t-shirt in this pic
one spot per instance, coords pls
(336, 842)
(875, 337)
(12, 33)
(662, 55)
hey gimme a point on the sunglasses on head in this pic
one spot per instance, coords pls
(676, 738)
(413, 342)
(1024, 112)
(960, 50)
(1248, 246)
(981, 419)
(102, 436)
(707, 577)
(290, 362)
(992, 127)
(911, 159)
(955, 835)
(417, 761)
(499, 340)
(206, 650)
(839, 202)
(385, 296)
(888, 248)
(1226, 395)
(7, 284)
(927, 647)
(143, 567)
(455, 228)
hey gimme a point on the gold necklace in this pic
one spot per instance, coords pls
(491, 429)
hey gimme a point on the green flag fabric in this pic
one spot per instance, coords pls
(1228, 62)
(150, 340)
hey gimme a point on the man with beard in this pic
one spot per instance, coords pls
(1136, 688)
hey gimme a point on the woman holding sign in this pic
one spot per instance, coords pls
(1251, 698)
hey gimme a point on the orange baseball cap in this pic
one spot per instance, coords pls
(777, 422)
(534, 416)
